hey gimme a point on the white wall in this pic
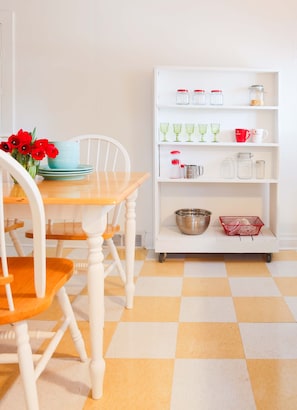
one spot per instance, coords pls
(87, 66)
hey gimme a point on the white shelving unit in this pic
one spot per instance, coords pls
(231, 197)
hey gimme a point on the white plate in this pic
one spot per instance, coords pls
(69, 177)
(64, 175)
(81, 167)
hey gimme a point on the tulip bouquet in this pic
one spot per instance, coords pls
(28, 150)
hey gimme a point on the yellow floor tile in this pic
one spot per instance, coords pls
(54, 312)
(274, 383)
(204, 257)
(113, 286)
(249, 268)
(140, 254)
(206, 287)
(287, 286)
(262, 309)
(289, 255)
(169, 268)
(8, 375)
(137, 384)
(153, 309)
(66, 347)
(209, 340)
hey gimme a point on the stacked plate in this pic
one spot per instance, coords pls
(65, 174)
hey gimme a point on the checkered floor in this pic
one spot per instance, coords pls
(209, 332)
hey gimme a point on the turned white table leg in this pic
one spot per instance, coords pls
(130, 231)
(94, 223)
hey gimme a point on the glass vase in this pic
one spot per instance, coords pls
(31, 166)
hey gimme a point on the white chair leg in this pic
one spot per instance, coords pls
(117, 260)
(74, 330)
(26, 365)
(59, 249)
(16, 243)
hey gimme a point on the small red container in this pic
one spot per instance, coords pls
(241, 225)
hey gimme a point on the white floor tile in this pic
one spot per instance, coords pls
(205, 269)
(8, 345)
(143, 340)
(76, 284)
(207, 309)
(152, 255)
(113, 306)
(137, 268)
(269, 340)
(152, 286)
(253, 287)
(63, 385)
(211, 385)
(283, 268)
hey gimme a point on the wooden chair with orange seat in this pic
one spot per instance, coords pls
(105, 154)
(28, 286)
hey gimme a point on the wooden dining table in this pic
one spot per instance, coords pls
(89, 200)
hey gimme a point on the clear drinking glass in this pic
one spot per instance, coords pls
(215, 129)
(202, 128)
(164, 127)
(177, 130)
(189, 130)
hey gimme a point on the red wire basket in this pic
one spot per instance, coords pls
(241, 225)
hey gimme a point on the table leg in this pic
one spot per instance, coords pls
(130, 231)
(94, 223)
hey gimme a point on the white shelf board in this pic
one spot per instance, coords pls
(218, 107)
(214, 239)
(216, 180)
(219, 144)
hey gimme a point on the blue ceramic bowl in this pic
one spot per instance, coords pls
(68, 157)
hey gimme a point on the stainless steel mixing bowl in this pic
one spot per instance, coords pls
(192, 221)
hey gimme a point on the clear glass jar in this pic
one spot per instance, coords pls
(199, 97)
(216, 97)
(256, 95)
(227, 168)
(244, 165)
(182, 96)
(260, 169)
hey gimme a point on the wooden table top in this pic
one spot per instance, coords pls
(98, 188)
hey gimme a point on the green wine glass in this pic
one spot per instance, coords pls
(177, 130)
(190, 130)
(202, 128)
(215, 129)
(164, 127)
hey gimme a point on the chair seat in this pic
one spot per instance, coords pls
(72, 231)
(12, 224)
(59, 271)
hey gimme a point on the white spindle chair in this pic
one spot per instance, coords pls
(105, 154)
(28, 286)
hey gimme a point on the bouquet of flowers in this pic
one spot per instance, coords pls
(28, 150)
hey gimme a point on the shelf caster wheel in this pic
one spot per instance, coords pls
(268, 257)
(162, 257)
